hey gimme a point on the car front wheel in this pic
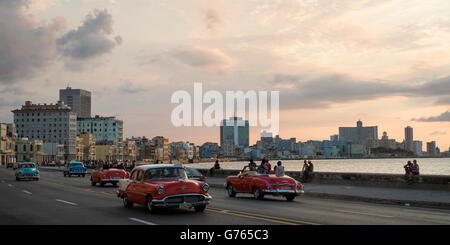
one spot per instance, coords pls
(231, 192)
(126, 202)
(200, 208)
(148, 204)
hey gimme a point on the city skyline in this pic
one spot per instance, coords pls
(333, 63)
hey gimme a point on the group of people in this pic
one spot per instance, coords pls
(266, 168)
(307, 169)
(411, 169)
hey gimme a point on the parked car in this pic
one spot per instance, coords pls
(194, 174)
(163, 185)
(27, 170)
(74, 168)
(111, 175)
(10, 165)
(248, 181)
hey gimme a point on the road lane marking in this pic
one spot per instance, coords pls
(142, 221)
(369, 214)
(66, 202)
(262, 217)
(27, 192)
(10, 185)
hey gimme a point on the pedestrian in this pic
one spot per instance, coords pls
(279, 169)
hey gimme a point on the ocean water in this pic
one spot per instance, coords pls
(428, 166)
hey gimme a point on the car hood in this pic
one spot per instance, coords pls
(27, 170)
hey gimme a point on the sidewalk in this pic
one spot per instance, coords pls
(405, 197)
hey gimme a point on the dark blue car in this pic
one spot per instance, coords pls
(74, 168)
(10, 165)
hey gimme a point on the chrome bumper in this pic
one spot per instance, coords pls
(281, 192)
(164, 202)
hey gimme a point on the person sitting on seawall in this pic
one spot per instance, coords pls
(215, 167)
(279, 169)
(408, 172)
(415, 168)
(305, 171)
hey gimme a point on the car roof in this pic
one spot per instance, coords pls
(151, 166)
(75, 162)
(20, 163)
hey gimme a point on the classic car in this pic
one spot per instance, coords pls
(110, 175)
(74, 168)
(249, 181)
(27, 170)
(10, 165)
(163, 185)
(194, 174)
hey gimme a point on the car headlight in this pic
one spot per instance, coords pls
(205, 187)
(160, 190)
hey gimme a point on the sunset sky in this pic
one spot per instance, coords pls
(386, 62)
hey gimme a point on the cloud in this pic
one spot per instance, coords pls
(301, 91)
(202, 57)
(25, 46)
(91, 39)
(444, 117)
(438, 133)
(28, 47)
(213, 21)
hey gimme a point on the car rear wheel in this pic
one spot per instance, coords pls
(148, 204)
(200, 208)
(257, 194)
(231, 192)
(290, 197)
(126, 202)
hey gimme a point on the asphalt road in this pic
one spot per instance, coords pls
(58, 200)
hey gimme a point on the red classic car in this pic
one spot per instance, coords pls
(111, 175)
(163, 185)
(249, 181)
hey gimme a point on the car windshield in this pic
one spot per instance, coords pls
(165, 173)
(76, 164)
(193, 172)
(27, 166)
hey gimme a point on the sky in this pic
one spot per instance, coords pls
(385, 62)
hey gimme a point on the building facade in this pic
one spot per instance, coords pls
(358, 134)
(7, 144)
(234, 130)
(409, 139)
(54, 123)
(78, 99)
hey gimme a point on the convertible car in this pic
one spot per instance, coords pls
(249, 181)
(111, 175)
(163, 185)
